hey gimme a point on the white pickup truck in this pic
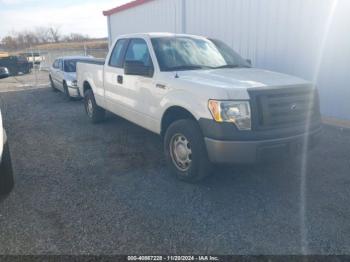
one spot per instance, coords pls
(207, 102)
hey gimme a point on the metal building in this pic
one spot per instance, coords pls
(306, 38)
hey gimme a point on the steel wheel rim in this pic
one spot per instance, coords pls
(181, 152)
(89, 108)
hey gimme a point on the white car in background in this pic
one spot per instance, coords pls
(6, 174)
(63, 75)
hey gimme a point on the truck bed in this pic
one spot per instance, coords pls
(91, 72)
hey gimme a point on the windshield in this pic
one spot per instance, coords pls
(187, 53)
(231, 57)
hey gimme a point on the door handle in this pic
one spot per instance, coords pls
(120, 79)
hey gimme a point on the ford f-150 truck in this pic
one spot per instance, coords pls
(206, 101)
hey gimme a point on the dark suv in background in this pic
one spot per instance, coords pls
(16, 64)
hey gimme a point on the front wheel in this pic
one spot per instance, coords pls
(6, 174)
(95, 113)
(186, 152)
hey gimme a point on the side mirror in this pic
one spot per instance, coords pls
(138, 68)
(249, 61)
(4, 72)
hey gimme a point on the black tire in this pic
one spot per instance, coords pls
(52, 85)
(6, 173)
(200, 166)
(95, 113)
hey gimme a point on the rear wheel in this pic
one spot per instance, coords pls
(95, 113)
(186, 152)
(6, 174)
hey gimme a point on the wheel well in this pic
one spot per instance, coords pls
(173, 114)
(86, 86)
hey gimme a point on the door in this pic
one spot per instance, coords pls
(113, 77)
(137, 87)
(127, 93)
(57, 74)
(54, 72)
(60, 74)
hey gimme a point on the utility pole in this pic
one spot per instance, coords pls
(33, 61)
(183, 17)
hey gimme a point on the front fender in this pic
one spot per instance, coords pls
(197, 106)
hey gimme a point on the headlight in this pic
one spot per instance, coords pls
(237, 112)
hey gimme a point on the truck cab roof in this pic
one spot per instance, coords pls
(159, 34)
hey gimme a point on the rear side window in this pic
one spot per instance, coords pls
(116, 59)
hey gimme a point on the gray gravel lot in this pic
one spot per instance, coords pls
(105, 189)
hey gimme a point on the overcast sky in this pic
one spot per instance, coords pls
(78, 16)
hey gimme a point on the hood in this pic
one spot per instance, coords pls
(241, 78)
(236, 81)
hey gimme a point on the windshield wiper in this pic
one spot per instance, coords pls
(226, 66)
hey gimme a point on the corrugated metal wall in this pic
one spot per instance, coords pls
(306, 38)
(155, 16)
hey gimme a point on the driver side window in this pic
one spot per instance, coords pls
(138, 52)
(116, 59)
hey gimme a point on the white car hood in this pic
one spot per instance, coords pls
(237, 81)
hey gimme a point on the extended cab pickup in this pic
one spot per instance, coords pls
(207, 102)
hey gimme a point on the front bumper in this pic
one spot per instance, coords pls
(74, 91)
(245, 152)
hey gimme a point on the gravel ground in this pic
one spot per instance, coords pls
(104, 189)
